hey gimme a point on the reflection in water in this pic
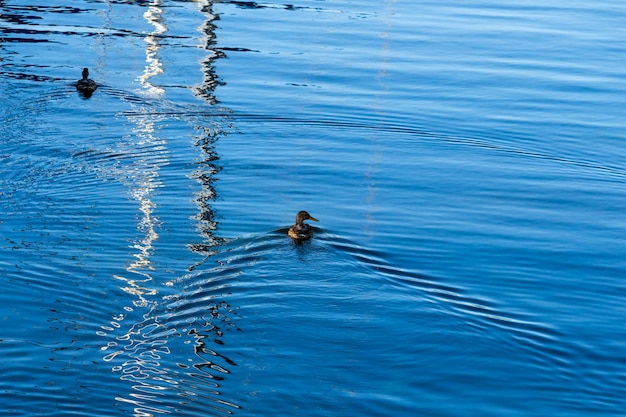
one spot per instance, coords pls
(143, 184)
(144, 354)
(210, 81)
(205, 174)
(208, 136)
(142, 346)
(153, 64)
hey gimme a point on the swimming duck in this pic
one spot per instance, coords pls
(86, 85)
(301, 230)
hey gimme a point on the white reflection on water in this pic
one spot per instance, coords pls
(144, 339)
(153, 65)
(144, 180)
(144, 343)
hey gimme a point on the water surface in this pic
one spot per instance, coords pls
(465, 162)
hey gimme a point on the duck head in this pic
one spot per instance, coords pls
(304, 215)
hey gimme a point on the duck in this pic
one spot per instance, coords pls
(86, 85)
(301, 230)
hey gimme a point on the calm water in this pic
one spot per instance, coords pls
(467, 165)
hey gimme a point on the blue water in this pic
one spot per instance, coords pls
(466, 163)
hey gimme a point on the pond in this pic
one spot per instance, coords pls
(466, 164)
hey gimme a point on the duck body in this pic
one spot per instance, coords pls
(300, 230)
(86, 85)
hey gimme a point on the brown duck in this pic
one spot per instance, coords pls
(301, 230)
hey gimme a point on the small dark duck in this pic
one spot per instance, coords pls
(86, 85)
(301, 230)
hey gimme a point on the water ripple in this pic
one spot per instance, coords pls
(486, 144)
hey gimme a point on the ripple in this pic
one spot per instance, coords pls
(486, 144)
(242, 255)
(144, 355)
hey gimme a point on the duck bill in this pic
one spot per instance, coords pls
(313, 218)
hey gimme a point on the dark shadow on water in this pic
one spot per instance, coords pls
(85, 95)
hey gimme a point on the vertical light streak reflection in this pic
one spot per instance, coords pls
(145, 343)
(146, 178)
(208, 136)
(140, 351)
(153, 65)
(373, 166)
(142, 186)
